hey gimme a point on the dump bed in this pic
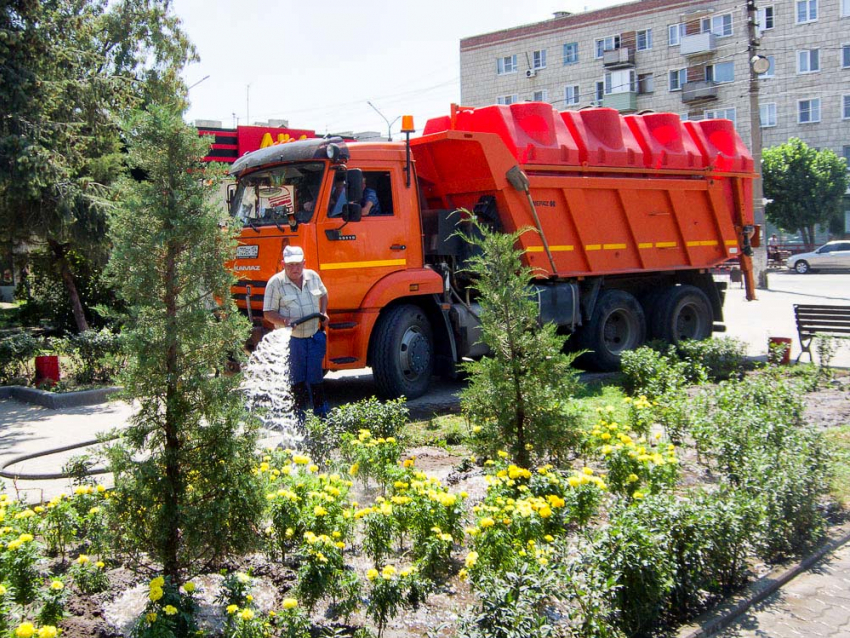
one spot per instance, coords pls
(613, 193)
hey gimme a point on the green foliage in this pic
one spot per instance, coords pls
(371, 457)
(89, 577)
(52, 598)
(95, 356)
(235, 589)
(722, 358)
(185, 492)
(20, 565)
(804, 186)
(16, 354)
(323, 573)
(390, 591)
(520, 395)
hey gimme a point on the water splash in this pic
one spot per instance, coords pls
(268, 391)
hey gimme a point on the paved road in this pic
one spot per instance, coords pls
(815, 603)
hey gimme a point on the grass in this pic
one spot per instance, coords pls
(839, 443)
(447, 431)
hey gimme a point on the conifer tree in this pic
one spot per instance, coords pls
(185, 493)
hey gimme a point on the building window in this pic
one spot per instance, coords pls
(540, 96)
(807, 11)
(539, 59)
(845, 107)
(678, 79)
(507, 99)
(721, 114)
(808, 111)
(571, 53)
(571, 95)
(808, 61)
(675, 33)
(506, 64)
(771, 70)
(620, 82)
(845, 8)
(610, 43)
(719, 73)
(767, 114)
(600, 93)
(644, 40)
(720, 26)
(845, 150)
(845, 55)
(765, 19)
(646, 83)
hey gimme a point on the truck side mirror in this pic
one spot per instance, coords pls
(352, 212)
(231, 191)
(354, 187)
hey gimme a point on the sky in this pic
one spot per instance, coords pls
(318, 63)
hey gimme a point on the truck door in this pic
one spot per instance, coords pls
(352, 257)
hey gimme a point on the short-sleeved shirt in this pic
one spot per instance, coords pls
(370, 195)
(293, 302)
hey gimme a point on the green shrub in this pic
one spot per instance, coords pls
(722, 358)
(96, 355)
(16, 354)
(655, 374)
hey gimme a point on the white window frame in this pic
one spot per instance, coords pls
(648, 83)
(845, 107)
(711, 27)
(574, 47)
(544, 96)
(647, 36)
(770, 108)
(806, 54)
(576, 95)
(675, 33)
(811, 101)
(711, 73)
(845, 55)
(629, 86)
(723, 114)
(599, 92)
(506, 64)
(806, 6)
(507, 100)
(771, 69)
(600, 51)
(538, 59)
(678, 73)
(763, 15)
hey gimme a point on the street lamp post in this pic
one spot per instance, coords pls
(389, 124)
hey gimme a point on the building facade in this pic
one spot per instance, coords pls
(679, 56)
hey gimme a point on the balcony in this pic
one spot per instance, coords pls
(625, 102)
(618, 58)
(699, 91)
(698, 44)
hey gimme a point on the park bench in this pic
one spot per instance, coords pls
(814, 321)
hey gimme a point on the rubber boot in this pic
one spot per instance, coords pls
(301, 397)
(320, 403)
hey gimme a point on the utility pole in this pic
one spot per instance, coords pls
(389, 124)
(754, 61)
(248, 105)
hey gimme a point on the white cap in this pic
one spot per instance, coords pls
(293, 255)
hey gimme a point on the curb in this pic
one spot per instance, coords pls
(58, 401)
(756, 592)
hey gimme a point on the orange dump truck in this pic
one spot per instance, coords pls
(631, 214)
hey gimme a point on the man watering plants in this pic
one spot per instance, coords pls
(291, 296)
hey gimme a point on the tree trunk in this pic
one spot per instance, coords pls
(60, 260)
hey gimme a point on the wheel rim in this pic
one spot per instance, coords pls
(414, 353)
(689, 324)
(619, 332)
(801, 267)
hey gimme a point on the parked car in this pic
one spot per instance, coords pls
(833, 255)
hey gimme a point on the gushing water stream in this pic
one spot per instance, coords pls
(267, 388)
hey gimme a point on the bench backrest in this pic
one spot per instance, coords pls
(829, 320)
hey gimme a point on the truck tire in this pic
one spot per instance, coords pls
(682, 312)
(618, 324)
(402, 353)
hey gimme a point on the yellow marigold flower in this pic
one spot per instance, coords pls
(57, 585)
(506, 521)
(189, 587)
(13, 545)
(300, 459)
(290, 603)
(38, 509)
(637, 495)
(27, 513)
(247, 614)
(545, 512)
(388, 572)
(48, 631)
(574, 481)
(319, 511)
(502, 454)
(605, 436)
(2, 590)
(463, 574)
(313, 468)
(82, 559)
(548, 538)
(100, 489)
(151, 617)
(632, 478)
(372, 574)
(476, 429)
(100, 564)
(25, 538)
(408, 463)
(159, 581)
(25, 630)
(169, 610)
(489, 462)
(232, 609)
(249, 598)
(447, 538)
(155, 594)
(486, 522)
(543, 561)
(243, 578)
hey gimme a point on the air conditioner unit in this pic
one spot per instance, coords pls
(530, 73)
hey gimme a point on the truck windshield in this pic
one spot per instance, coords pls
(271, 196)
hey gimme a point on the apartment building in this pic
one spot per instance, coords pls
(685, 57)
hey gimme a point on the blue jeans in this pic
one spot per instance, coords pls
(305, 368)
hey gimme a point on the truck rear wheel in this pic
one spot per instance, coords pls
(617, 324)
(402, 353)
(682, 312)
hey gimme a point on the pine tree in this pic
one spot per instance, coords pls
(185, 493)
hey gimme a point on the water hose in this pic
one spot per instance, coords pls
(55, 475)
(314, 315)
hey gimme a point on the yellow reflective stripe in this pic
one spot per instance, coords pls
(554, 249)
(703, 242)
(647, 245)
(593, 247)
(731, 242)
(339, 265)
(666, 244)
(613, 247)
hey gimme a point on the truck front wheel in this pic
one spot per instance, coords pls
(402, 353)
(682, 312)
(617, 324)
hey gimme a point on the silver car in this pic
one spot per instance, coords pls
(835, 255)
